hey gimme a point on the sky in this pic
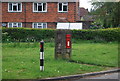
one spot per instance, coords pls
(86, 4)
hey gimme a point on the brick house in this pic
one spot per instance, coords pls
(85, 18)
(38, 13)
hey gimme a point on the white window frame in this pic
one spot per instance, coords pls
(42, 7)
(39, 25)
(62, 6)
(17, 7)
(13, 23)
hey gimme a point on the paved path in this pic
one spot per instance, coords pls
(105, 76)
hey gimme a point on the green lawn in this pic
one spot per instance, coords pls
(21, 60)
(104, 54)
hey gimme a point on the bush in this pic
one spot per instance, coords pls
(111, 34)
(35, 35)
(26, 35)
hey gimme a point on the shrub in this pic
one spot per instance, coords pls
(111, 34)
(35, 35)
(26, 34)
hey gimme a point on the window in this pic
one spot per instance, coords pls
(4, 24)
(62, 7)
(39, 7)
(14, 24)
(40, 25)
(14, 7)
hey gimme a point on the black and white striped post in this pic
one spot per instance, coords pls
(42, 55)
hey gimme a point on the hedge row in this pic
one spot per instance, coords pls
(111, 34)
(25, 34)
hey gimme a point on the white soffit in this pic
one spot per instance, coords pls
(39, 0)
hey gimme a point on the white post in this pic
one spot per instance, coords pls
(42, 56)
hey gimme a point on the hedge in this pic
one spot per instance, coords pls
(33, 35)
(25, 34)
(111, 34)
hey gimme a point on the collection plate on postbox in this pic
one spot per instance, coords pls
(68, 41)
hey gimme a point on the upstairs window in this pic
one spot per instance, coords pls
(62, 7)
(39, 7)
(40, 25)
(14, 7)
(14, 25)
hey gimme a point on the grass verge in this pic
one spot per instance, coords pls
(21, 60)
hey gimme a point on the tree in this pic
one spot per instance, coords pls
(106, 13)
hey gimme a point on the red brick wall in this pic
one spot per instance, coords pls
(49, 25)
(27, 25)
(77, 12)
(11, 17)
(0, 14)
(52, 25)
(51, 15)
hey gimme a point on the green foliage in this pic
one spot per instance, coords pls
(111, 34)
(26, 35)
(107, 13)
(48, 35)
(96, 25)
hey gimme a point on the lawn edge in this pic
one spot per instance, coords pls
(80, 75)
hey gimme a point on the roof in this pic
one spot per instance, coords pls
(84, 15)
(88, 18)
(83, 12)
(39, 0)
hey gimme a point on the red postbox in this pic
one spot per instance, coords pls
(68, 41)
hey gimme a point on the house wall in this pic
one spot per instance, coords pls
(27, 15)
(50, 25)
(77, 11)
(0, 14)
(51, 17)
(11, 16)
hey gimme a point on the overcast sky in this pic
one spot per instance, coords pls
(86, 4)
